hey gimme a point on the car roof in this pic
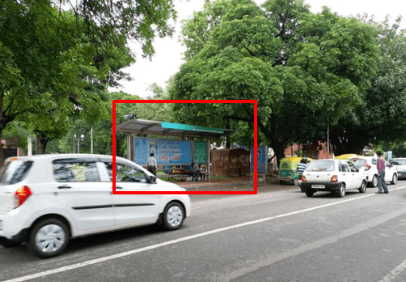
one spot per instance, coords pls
(55, 156)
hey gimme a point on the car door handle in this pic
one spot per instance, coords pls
(64, 187)
(118, 187)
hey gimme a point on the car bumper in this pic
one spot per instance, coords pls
(327, 186)
(401, 174)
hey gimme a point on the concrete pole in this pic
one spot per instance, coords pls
(91, 140)
(208, 159)
(29, 146)
(128, 146)
(328, 140)
(73, 151)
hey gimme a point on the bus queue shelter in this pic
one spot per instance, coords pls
(143, 128)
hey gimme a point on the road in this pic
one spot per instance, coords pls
(273, 236)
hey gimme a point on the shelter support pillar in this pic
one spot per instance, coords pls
(129, 153)
(208, 144)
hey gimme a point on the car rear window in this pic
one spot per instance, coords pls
(321, 166)
(14, 172)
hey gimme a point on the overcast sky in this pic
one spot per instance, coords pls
(168, 51)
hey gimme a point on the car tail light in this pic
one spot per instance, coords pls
(303, 178)
(22, 195)
(334, 178)
(367, 167)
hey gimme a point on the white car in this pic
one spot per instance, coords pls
(46, 200)
(369, 163)
(400, 166)
(336, 176)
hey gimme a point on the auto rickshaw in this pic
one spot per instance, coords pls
(288, 170)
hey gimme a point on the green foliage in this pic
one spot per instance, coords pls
(381, 117)
(300, 67)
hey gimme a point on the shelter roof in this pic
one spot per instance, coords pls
(149, 127)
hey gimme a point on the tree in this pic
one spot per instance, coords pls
(294, 63)
(381, 116)
(54, 60)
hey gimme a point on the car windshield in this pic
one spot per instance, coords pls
(398, 161)
(321, 166)
(14, 172)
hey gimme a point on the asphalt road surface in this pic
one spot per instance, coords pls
(273, 236)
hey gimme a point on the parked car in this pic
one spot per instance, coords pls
(369, 163)
(336, 176)
(400, 166)
(46, 200)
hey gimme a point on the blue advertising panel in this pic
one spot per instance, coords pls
(261, 159)
(167, 152)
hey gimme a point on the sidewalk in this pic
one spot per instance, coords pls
(235, 184)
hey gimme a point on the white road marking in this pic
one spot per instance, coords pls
(136, 251)
(392, 275)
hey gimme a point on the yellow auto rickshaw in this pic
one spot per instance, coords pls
(288, 170)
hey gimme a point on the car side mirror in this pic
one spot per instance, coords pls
(152, 179)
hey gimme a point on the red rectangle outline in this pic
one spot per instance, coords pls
(185, 102)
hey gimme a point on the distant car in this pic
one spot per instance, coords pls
(47, 199)
(400, 166)
(336, 176)
(369, 163)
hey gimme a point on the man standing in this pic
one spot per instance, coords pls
(300, 169)
(381, 173)
(151, 164)
(302, 166)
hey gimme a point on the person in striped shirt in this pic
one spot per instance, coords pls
(302, 166)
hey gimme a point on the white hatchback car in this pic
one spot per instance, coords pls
(336, 176)
(370, 165)
(400, 166)
(47, 199)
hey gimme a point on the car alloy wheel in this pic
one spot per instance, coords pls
(173, 216)
(374, 181)
(48, 238)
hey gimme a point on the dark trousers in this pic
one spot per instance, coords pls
(152, 170)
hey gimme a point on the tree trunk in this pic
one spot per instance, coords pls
(279, 153)
(227, 136)
(42, 142)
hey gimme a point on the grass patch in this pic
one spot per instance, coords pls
(220, 177)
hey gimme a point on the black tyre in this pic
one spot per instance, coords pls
(8, 243)
(48, 238)
(309, 192)
(341, 192)
(173, 216)
(363, 187)
(394, 179)
(302, 189)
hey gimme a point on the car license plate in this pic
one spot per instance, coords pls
(318, 186)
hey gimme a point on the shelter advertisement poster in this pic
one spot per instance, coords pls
(200, 156)
(167, 152)
(261, 159)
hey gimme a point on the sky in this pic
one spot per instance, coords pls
(169, 51)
